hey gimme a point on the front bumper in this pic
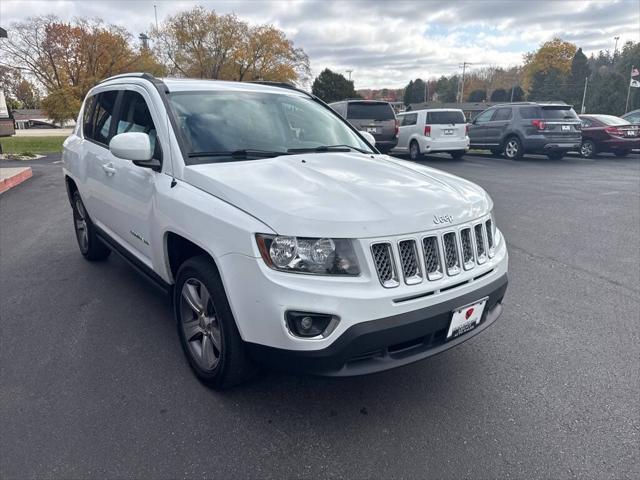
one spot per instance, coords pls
(388, 342)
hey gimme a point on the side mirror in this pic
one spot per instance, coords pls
(369, 138)
(134, 146)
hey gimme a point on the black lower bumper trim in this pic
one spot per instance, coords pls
(388, 342)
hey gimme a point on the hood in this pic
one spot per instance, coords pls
(341, 195)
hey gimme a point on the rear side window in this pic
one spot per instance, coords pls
(445, 118)
(370, 111)
(559, 113)
(408, 119)
(530, 112)
(586, 122)
(98, 128)
(136, 117)
(87, 125)
(501, 114)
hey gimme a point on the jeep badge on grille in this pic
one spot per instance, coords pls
(437, 219)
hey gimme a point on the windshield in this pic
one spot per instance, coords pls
(370, 111)
(611, 120)
(559, 113)
(445, 118)
(217, 122)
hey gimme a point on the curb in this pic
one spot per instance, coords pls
(10, 177)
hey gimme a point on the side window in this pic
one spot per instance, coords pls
(136, 117)
(409, 119)
(484, 116)
(530, 112)
(501, 114)
(100, 121)
(87, 124)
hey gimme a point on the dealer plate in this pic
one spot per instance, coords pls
(372, 130)
(466, 318)
(566, 128)
(448, 131)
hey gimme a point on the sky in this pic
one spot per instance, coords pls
(387, 43)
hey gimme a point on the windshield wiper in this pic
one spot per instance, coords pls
(241, 154)
(327, 148)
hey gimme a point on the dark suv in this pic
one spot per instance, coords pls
(518, 128)
(375, 117)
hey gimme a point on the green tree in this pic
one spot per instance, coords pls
(478, 96)
(547, 86)
(499, 95)
(408, 93)
(61, 105)
(607, 92)
(629, 56)
(575, 85)
(517, 95)
(419, 91)
(447, 89)
(332, 87)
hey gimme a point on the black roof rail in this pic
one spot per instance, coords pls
(143, 75)
(288, 86)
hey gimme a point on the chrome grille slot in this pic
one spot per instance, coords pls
(385, 267)
(480, 249)
(409, 261)
(432, 261)
(490, 245)
(451, 253)
(467, 248)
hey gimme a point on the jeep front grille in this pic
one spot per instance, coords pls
(451, 253)
(385, 266)
(434, 256)
(410, 261)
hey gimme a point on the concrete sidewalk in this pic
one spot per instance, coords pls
(10, 177)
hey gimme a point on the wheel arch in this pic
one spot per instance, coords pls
(71, 187)
(508, 135)
(179, 249)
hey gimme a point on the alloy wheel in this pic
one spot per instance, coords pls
(586, 149)
(511, 149)
(200, 324)
(82, 232)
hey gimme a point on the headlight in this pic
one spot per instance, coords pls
(321, 256)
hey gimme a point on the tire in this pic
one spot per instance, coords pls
(556, 155)
(588, 149)
(496, 151)
(206, 327)
(513, 148)
(457, 155)
(90, 245)
(622, 153)
(414, 151)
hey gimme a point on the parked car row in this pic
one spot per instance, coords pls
(513, 129)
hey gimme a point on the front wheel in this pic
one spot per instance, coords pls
(206, 327)
(556, 155)
(414, 151)
(90, 245)
(513, 148)
(457, 155)
(588, 149)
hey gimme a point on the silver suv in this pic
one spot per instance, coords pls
(518, 128)
(374, 117)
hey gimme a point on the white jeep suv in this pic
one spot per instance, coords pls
(282, 235)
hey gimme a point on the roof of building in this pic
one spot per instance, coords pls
(28, 114)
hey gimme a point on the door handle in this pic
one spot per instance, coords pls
(108, 168)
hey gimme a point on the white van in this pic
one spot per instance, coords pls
(433, 130)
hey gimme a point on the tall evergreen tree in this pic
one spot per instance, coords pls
(408, 93)
(499, 95)
(478, 96)
(575, 86)
(332, 87)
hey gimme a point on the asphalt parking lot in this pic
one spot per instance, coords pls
(93, 382)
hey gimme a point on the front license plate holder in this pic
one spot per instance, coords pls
(465, 319)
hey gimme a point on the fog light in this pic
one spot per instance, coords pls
(304, 324)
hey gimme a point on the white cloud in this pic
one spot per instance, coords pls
(387, 43)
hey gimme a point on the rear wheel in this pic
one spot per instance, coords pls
(457, 155)
(513, 148)
(90, 245)
(588, 149)
(414, 151)
(206, 327)
(556, 155)
(622, 153)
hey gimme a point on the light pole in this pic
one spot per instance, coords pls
(349, 73)
(615, 46)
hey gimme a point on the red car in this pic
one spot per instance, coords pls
(606, 133)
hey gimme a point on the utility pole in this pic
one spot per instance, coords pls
(155, 11)
(349, 72)
(615, 48)
(584, 95)
(464, 68)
